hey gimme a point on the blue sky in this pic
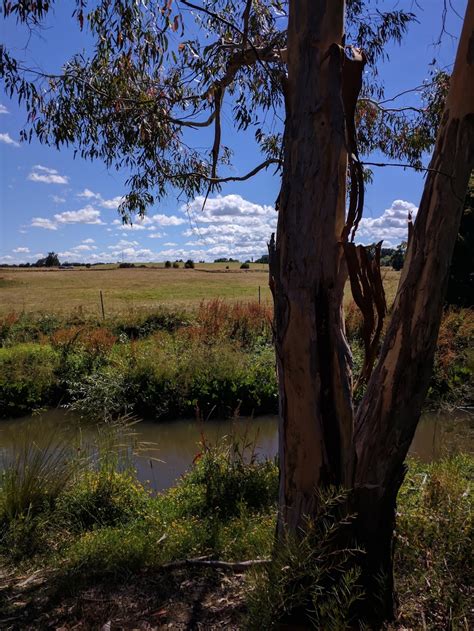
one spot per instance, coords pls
(51, 201)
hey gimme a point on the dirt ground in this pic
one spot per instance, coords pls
(147, 601)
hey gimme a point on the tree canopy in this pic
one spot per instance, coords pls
(156, 74)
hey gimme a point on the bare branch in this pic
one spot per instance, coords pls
(236, 178)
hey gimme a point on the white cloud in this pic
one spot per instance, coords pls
(88, 194)
(88, 241)
(112, 204)
(122, 244)
(43, 174)
(3, 109)
(21, 250)
(57, 199)
(129, 227)
(166, 220)
(88, 215)
(391, 226)
(229, 226)
(8, 140)
(169, 244)
(6, 258)
(42, 222)
(84, 248)
(156, 235)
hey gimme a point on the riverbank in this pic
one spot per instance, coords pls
(168, 364)
(88, 545)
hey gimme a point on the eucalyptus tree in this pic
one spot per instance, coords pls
(160, 72)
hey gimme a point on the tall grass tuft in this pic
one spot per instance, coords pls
(312, 581)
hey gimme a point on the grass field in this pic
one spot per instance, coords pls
(60, 291)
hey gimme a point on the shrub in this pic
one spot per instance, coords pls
(245, 266)
(189, 264)
(167, 264)
(27, 378)
(225, 480)
(175, 265)
(101, 499)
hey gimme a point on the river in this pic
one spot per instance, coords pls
(162, 452)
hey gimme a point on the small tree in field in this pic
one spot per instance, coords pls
(51, 260)
(149, 82)
(398, 257)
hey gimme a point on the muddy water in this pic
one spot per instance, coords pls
(161, 452)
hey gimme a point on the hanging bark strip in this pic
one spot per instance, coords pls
(352, 70)
(388, 414)
(368, 293)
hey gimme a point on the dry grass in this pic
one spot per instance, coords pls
(57, 291)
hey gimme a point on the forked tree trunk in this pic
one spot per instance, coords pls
(320, 444)
(388, 415)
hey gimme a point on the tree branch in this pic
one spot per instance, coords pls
(236, 178)
(239, 566)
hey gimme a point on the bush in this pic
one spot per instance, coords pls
(101, 499)
(225, 480)
(245, 266)
(175, 265)
(189, 264)
(167, 264)
(27, 378)
(126, 265)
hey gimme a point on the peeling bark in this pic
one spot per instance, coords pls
(388, 415)
(308, 275)
(320, 443)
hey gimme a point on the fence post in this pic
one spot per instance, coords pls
(102, 305)
(259, 297)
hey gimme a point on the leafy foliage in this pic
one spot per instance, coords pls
(156, 73)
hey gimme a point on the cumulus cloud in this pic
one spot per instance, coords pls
(8, 140)
(84, 248)
(3, 109)
(57, 199)
(149, 222)
(111, 204)
(88, 194)
(229, 226)
(43, 174)
(43, 222)
(391, 226)
(123, 243)
(88, 241)
(88, 215)
(21, 250)
(166, 220)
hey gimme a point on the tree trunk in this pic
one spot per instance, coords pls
(388, 415)
(320, 444)
(306, 268)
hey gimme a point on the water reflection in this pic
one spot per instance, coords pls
(162, 452)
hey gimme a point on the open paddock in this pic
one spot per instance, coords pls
(138, 288)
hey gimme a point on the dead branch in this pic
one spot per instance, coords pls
(239, 566)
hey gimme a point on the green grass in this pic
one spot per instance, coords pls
(101, 526)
